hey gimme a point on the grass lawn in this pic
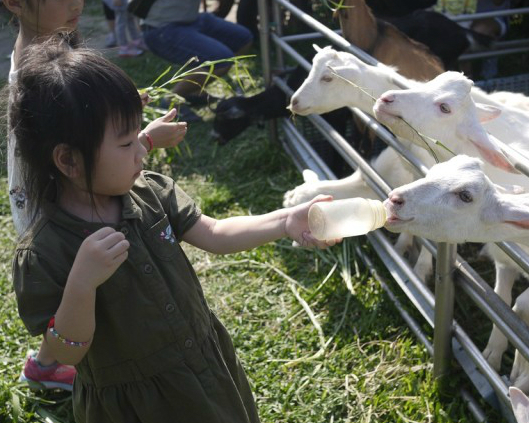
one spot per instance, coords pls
(372, 368)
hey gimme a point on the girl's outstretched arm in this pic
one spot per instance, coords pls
(246, 232)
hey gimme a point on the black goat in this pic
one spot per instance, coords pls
(234, 115)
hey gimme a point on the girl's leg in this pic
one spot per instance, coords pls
(41, 369)
(44, 355)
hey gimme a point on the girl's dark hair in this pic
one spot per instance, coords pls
(65, 96)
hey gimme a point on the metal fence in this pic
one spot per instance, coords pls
(452, 271)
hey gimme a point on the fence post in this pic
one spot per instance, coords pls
(444, 311)
(264, 38)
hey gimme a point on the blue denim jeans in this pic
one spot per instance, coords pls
(208, 38)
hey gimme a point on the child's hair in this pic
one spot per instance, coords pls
(65, 96)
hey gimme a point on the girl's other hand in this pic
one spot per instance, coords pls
(99, 256)
(165, 133)
(297, 225)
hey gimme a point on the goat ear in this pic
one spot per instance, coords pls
(509, 189)
(487, 112)
(520, 405)
(488, 148)
(310, 176)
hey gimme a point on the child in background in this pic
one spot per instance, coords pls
(37, 21)
(110, 17)
(102, 274)
(123, 22)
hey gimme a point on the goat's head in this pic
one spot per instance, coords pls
(442, 110)
(456, 202)
(325, 89)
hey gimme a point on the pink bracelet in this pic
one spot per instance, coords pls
(55, 334)
(149, 140)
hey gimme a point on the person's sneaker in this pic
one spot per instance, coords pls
(129, 51)
(110, 40)
(54, 376)
(139, 43)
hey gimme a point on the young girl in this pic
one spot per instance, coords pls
(39, 20)
(126, 25)
(102, 274)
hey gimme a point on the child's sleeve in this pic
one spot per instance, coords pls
(183, 212)
(181, 209)
(37, 289)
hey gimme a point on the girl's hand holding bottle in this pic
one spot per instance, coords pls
(297, 225)
(99, 257)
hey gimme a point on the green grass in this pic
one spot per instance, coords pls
(372, 370)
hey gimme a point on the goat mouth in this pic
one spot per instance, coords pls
(384, 115)
(394, 220)
(296, 110)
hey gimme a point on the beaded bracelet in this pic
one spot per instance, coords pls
(55, 334)
(149, 140)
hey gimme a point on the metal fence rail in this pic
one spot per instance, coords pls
(450, 340)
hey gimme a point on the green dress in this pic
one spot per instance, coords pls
(158, 354)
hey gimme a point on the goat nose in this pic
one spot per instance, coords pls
(388, 98)
(396, 199)
(294, 102)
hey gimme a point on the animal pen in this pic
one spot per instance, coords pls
(452, 272)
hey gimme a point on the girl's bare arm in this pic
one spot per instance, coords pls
(246, 232)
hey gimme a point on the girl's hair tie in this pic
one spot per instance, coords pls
(149, 140)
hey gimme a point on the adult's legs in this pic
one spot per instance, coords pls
(209, 38)
(247, 12)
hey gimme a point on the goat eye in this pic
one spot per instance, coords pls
(465, 196)
(444, 108)
(326, 78)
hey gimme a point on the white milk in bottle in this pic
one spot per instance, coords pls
(343, 218)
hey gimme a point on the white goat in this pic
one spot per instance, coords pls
(459, 130)
(443, 110)
(457, 202)
(339, 79)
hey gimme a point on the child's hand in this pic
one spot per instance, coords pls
(99, 257)
(165, 133)
(297, 225)
(117, 3)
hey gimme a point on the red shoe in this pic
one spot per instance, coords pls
(54, 376)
